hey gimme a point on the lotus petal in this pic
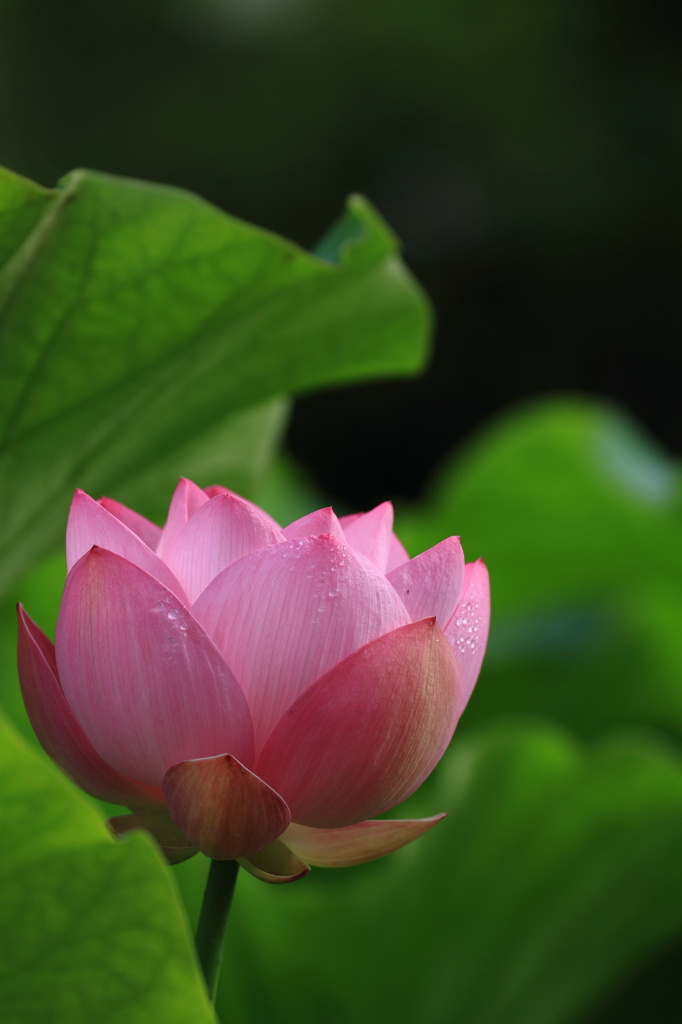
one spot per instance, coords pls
(431, 583)
(354, 844)
(371, 534)
(58, 730)
(365, 735)
(467, 630)
(145, 682)
(174, 844)
(275, 864)
(286, 614)
(220, 532)
(91, 524)
(187, 499)
(225, 810)
(146, 530)
(314, 525)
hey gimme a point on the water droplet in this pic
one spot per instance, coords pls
(184, 626)
(173, 613)
(334, 593)
(158, 607)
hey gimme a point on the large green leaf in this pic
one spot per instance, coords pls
(135, 318)
(578, 517)
(557, 870)
(90, 930)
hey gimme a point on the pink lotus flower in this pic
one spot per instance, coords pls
(253, 692)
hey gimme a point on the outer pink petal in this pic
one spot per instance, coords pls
(315, 524)
(397, 555)
(370, 534)
(275, 864)
(58, 730)
(431, 583)
(467, 630)
(90, 523)
(220, 532)
(187, 499)
(354, 844)
(145, 682)
(362, 738)
(216, 489)
(286, 614)
(224, 809)
(146, 530)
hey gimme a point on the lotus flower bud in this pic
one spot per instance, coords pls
(254, 692)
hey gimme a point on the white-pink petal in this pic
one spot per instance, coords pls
(221, 531)
(91, 524)
(371, 533)
(467, 630)
(286, 614)
(187, 499)
(147, 685)
(314, 525)
(431, 583)
(146, 530)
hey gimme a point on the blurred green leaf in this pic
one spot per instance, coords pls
(557, 870)
(91, 930)
(135, 318)
(578, 517)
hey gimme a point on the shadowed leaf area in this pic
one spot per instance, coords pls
(90, 930)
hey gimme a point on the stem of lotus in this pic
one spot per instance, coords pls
(215, 913)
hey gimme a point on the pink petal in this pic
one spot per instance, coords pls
(467, 630)
(350, 518)
(354, 844)
(146, 530)
(216, 489)
(187, 499)
(284, 615)
(397, 555)
(145, 682)
(315, 524)
(362, 738)
(275, 864)
(371, 533)
(224, 809)
(58, 730)
(174, 844)
(220, 532)
(431, 583)
(90, 523)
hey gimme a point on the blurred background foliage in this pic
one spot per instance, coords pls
(529, 156)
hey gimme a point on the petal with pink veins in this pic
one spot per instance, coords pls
(187, 499)
(275, 864)
(371, 533)
(58, 730)
(284, 615)
(314, 525)
(397, 555)
(90, 523)
(146, 530)
(144, 680)
(467, 630)
(224, 809)
(221, 531)
(354, 844)
(431, 583)
(365, 735)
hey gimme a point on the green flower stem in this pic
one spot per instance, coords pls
(215, 913)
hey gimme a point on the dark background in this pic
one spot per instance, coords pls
(528, 152)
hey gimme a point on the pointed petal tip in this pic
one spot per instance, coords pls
(355, 844)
